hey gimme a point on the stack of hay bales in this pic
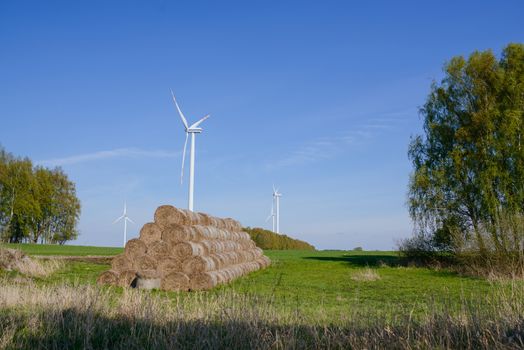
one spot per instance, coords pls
(184, 250)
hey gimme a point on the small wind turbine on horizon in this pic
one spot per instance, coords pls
(276, 200)
(272, 215)
(126, 219)
(190, 129)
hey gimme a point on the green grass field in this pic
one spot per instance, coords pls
(305, 299)
(312, 281)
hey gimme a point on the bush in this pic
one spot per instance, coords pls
(266, 239)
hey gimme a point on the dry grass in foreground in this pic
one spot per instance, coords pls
(66, 316)
(366, 275)
(13, 259)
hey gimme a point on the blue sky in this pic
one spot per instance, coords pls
(319, 98)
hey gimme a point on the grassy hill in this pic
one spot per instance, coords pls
(266, 239)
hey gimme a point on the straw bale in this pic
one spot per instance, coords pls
(232, 224)
(126, 278)
(263, 262)
(148, 274)
(193, 218)
(145, 262)
(183, 250)
(121, 263)
(159, 250)
(168, 214)
(169, 265)
(134, 248)
(175, 281)
(108, 277)
(198, 264)
(205, 280)
(205, 219)
(176, 233)
(150, 232)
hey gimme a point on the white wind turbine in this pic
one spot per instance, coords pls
(126, 219)
(276, 200)
(190, 129)
(272, 215)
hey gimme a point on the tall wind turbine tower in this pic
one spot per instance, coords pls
(276, 200)
(190, 129)
(126, 219)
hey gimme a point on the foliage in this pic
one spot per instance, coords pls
(358, 249)
(469, 165)
(36, 203)
(266, 239)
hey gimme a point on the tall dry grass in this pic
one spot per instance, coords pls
(68, 316)
(13, 259)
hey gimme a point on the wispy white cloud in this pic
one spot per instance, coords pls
(115, 153)
(326, 148)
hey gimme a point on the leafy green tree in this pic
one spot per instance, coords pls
(35, 202)
(469, 164)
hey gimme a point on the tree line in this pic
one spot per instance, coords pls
(266, 239)
(37, 204)
(466, 192)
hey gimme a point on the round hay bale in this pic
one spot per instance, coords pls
(150, 232)
(184, 250)
(145, 262)
(232, 225)
(198, 264)
(176, 233)
(205, 280)
(175, 281)
(135, 248)
(148, 274)
(264, 261)
(159, 250)
(108, 277)
(168, 214)
(205, 219)
(121, 263)
(169, 265)
(127, 278)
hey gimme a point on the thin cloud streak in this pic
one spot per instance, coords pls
(326, 148)
(115, 153)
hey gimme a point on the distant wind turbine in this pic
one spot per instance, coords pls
(272, 215)
(276, 200)
(190, 129)
(126, 219)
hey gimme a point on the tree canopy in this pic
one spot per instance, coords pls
(469, 164)
(36, 203)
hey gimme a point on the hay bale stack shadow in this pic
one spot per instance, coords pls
(184, 251)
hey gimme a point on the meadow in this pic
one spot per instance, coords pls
(306, 299)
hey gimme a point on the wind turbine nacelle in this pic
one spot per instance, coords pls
(195, 130)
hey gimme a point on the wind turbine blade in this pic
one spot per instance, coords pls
(184, 121)
(128, 219)
(195, 125)
(117, 220)
(274, 191)
(269, 217)
(183, 159)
